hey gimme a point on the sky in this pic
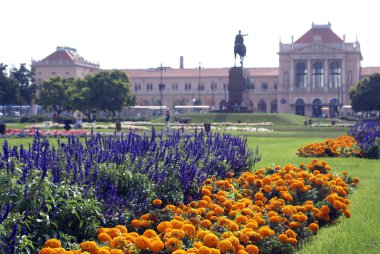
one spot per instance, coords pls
(131, 34)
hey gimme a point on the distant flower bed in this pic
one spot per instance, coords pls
(271, 210)
(43, 132)
(367, 134)
(343, 146)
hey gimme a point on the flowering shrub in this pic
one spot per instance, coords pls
(367, 134)
(269, 211)
(343, 146)
(73, 188)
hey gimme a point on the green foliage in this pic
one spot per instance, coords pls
(365, 96)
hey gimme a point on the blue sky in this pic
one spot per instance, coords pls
(145, 33)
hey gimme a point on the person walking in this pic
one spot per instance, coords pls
(167, 119)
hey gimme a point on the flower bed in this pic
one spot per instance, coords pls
(343, 146)
(367, 134)
(45, 133)
(271, 210)
(72, 189)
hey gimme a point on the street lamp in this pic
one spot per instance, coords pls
(161, 86)
(213, 86)
(199, 84)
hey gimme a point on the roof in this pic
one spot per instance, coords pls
(368, 71)
(61, 54)
(324, 32)
(204, 72)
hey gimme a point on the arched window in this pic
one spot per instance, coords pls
(334, 103)
(273, 106)
(317, 75)
(300, 107)
(334, 75)
(317, 108)
(301, 73)
(262, 106)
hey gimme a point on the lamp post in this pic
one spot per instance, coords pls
(212, 93)
(199, 84)
(161, 86)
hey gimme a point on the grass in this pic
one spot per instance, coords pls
(360, 233)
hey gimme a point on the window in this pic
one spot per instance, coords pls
(214, 86)
(262, 106)
(301, 73)
(149, 87)
(137, 87)
(174, 87)
(349, 78)
(187, 87)
(224, 87)
(317, 75)
(264, 87)
(334, 75)
(53, 73)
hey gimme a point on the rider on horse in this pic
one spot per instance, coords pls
(239, 46)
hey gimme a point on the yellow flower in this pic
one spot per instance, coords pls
(142, 242)
(252, 249)
(104, 237)
(157, 246)
(313, 227)
(46, 250)
(90, 246)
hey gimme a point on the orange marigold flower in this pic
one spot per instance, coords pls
(150, 233)
(46, 250)
(136, 223)
(123, 229)
(90, 246)
(116, 251)
(347, 213)
(319, 181)
(292, 240)
(210, 240)
(142, 242)
(265, 231)
(52, 243)
(101, 251)
(225, 246)
(173, 244)
(258, 196)
(283, 238)
(206, 223)
(157, 202)
(117, 242)
(252, 249)
(291, 233)
(156, 246)
(314, 227)
(176, 224)
(325, 209)
(104, 237)
(241, 219)
(113, 232)
(189, 229)
(204, 250)
(218, 210)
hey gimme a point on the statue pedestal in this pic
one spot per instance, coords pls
(238, 81)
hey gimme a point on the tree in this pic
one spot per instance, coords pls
(110, 91)
(365, 96)
(53, 95)
(9, 91)
(27, 87)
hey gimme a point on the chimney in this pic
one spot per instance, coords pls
(181, 62)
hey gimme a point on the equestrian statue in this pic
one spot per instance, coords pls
(239, 47)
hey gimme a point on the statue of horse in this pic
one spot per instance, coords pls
(241, 50)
